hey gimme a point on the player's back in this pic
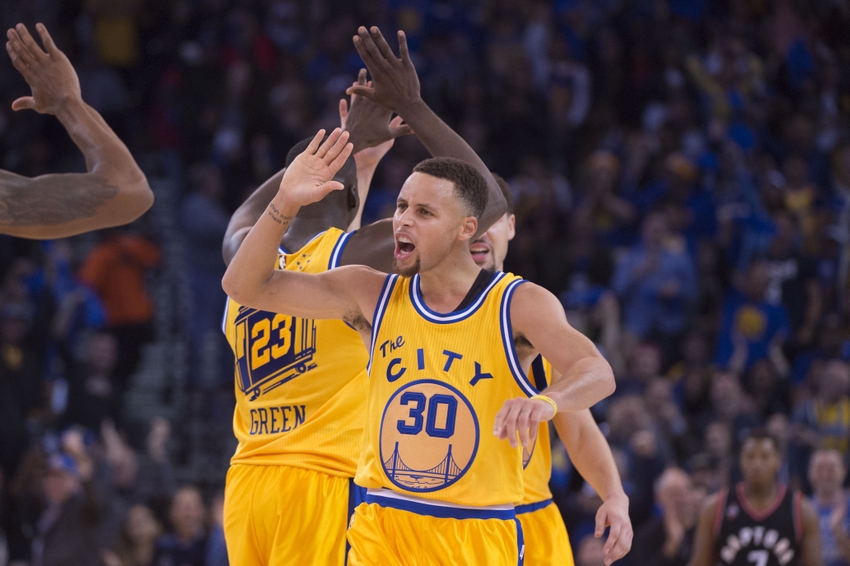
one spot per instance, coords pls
(300, 383)
(747, 537)
(437, 382)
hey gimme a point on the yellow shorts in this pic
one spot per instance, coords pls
(280, 515)
(407, 532)
(546, 540)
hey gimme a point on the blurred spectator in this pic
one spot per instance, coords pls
(752, 329)
(92, 395)
(673, 532)
(656, 281)
(216, 549)
(186, 542)
(137, 540)
(116, 271)
(826, 475)
(589, 552)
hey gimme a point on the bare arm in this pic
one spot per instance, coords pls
(396, 87)
(251, 278)
(704, 553)
(811, 543)
(592, 457)
(113, 192)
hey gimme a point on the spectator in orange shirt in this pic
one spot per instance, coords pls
(115, 270)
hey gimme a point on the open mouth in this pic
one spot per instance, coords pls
(403, 247)
(479, 251)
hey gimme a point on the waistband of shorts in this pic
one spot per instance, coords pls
(436, 508)
(532, 507)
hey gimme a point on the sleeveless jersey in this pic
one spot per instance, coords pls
(300, 383)
(745, 537)
(436, 383)
(537, 464)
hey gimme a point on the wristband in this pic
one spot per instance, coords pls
(548, 400)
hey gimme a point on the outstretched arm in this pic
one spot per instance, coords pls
(396, 87)
(251, 278)
(372, 133)
(113, 192)
(592, 457)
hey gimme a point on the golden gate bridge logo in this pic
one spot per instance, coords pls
(429, 436)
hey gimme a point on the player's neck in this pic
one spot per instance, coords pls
(302, 230)
(446, 284)
(761, 495)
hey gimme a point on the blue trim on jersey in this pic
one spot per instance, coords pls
(440, 511)
(337, 251)
(532, 507)
(356, 496)
(508, 340)
(380, 309)
(520, 543)
(224, 318)
(281, 251)
(538, 372)
(442, 318)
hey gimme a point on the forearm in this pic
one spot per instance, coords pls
(247, 215)
(254, 263)
(586, 382)
(589, 452)
(441, 141)
(365, 173)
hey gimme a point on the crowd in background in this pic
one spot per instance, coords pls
(681, 172)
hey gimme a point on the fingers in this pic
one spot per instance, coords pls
(361, 77)
(328, 143)
(398, 128)
(24, 103)
(21, 57)
(326, 188)
(601, 522)
(343, 112)
(522, 425)
(506, 426)
(314, 144)
(402, 48)
(616, 548)
(46, 39)
(29, 42)
(369, 52)
(382, 44)
(340, 159)
(613, 535)
(358, 90)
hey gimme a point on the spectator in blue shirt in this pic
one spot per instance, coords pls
(656, 280)
(826, 474)
(752, 329)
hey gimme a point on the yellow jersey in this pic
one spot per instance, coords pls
(300, 383)
(537, 464)
(436, 383)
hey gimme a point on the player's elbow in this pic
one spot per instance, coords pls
(141, 197)
(232, 288)
(606, 384)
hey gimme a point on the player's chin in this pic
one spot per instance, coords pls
(407, 267)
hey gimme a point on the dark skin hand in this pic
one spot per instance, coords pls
(113, 192)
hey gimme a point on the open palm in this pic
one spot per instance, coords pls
(310, 176)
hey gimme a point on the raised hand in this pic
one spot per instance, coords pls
(368, 123)
(50, 74)
(522, 417)
(310, 176)
(395, 82)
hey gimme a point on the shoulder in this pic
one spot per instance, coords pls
(530, 299)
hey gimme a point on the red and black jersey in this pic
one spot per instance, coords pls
(746, 537)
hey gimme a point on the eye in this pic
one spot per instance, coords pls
(401, 206)
(424, 212)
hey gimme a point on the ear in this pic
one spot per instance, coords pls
(468, 228)
(511, 227)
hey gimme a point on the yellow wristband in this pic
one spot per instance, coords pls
(548, 400)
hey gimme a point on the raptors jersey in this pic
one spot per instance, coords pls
(436, 383)
(300, 383)
(537, 463)
(746, 537)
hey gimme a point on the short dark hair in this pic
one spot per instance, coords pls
(299, 148)
(469, 184)
(506, 191)
(762, 434)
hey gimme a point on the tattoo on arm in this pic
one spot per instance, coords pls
(277, 216)
(52, 199)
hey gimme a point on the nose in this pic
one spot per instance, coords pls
(405, 218)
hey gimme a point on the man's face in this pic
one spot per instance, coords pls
(826, 471)
(428, 222)
(759, 461)
(59, 485)
(490, 249)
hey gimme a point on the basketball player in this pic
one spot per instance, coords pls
(546, 539)
(759, 521)
(113, 192)
(299, 437)
(449, 347)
